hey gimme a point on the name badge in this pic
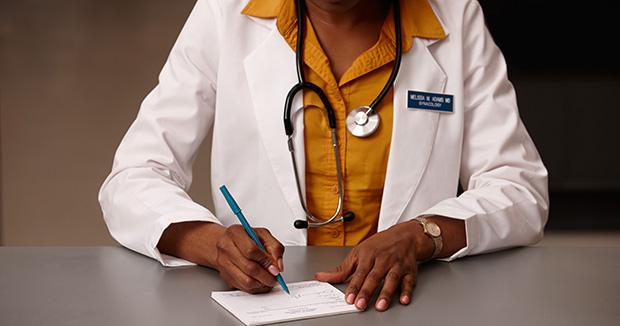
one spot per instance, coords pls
(430, 101)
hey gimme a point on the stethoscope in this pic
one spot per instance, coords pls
(361, 122)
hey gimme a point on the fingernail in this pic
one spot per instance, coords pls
(273, 270)
(350, 298)
(361, 304)
(381, 305)
(281, 264)
(405, 299)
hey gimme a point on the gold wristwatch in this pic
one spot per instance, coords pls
(432, 230)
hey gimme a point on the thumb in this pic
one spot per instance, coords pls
(338, 274)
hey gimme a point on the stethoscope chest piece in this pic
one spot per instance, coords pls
(362, 122)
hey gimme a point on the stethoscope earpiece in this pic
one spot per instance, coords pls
(348, 216)
(300, 224)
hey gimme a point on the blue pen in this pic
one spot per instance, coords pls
(235, 208)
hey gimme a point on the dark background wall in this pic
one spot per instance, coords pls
(73, 73)
(564, 61)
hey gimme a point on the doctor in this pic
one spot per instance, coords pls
(388, 106)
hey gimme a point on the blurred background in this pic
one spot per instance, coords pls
(73, 74)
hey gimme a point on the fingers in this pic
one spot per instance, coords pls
(371, 282)
(248, 248)
(272, 245)
(252, 268)
(390, 284)
(364, 266)
(243, 265)
(340, 273)
(236, 278)
(406, 288)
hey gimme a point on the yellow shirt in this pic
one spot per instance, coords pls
(363, 160)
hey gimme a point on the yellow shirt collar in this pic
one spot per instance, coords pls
(418, 17)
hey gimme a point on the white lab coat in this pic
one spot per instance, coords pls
(230, 73)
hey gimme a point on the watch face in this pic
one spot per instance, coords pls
(433, 229)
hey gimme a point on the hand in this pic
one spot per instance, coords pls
(231, 251)
(388, 256)
(243, 265)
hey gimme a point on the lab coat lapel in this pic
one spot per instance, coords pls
(413, 131)
(270, 71)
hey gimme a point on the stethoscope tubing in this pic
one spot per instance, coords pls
(302, 84)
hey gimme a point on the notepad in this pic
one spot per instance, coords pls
(309, 299)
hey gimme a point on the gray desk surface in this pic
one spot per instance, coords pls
(113, 286)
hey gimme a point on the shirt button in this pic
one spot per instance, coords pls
(335, 234)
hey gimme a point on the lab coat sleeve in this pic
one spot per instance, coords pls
(146, 190)
(505, 202)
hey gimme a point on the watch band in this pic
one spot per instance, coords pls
(432, 230)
